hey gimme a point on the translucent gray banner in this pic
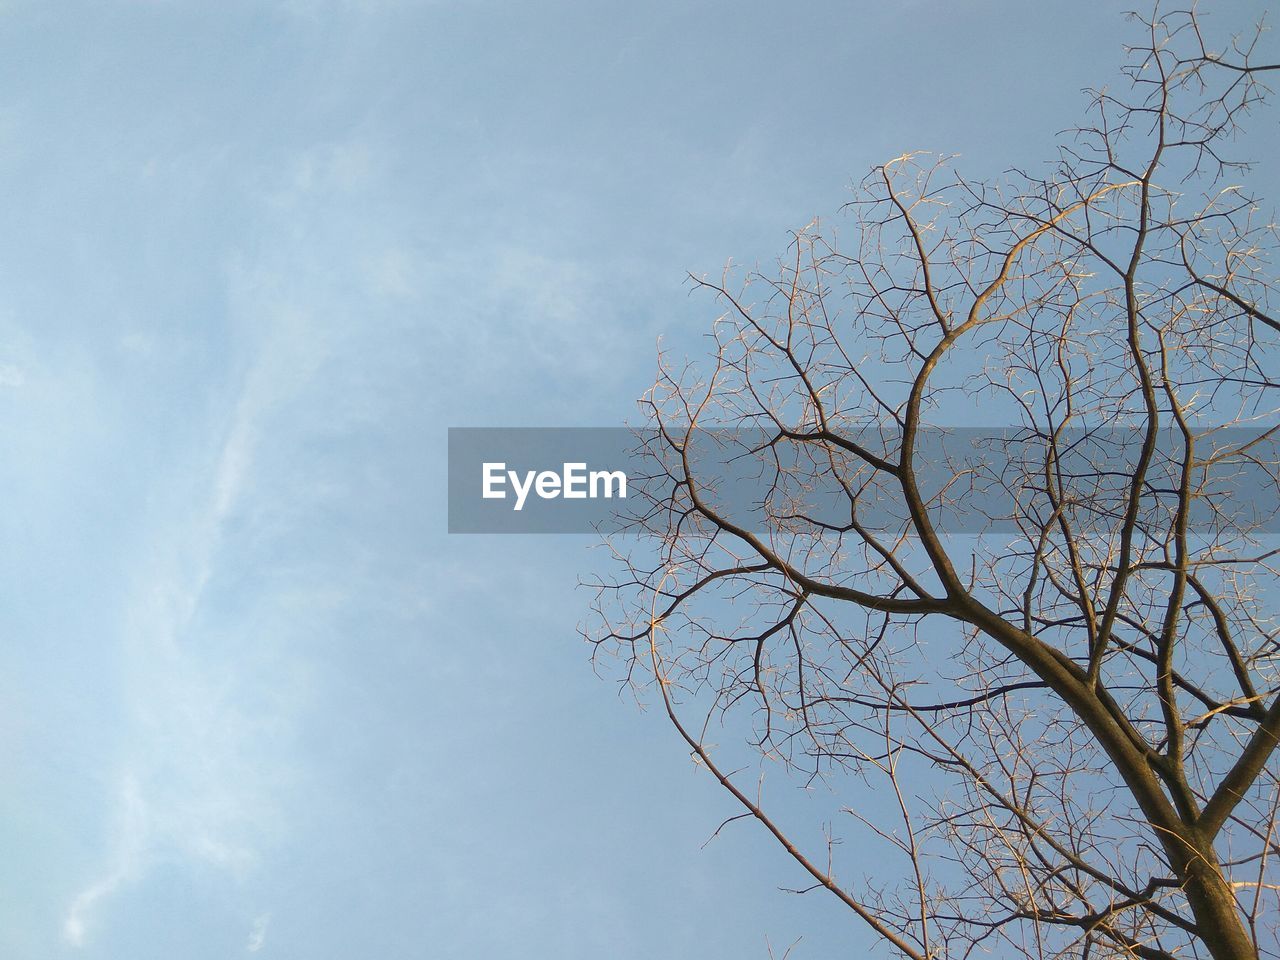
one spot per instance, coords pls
(971, 480)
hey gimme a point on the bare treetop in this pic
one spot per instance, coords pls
(1077, 720)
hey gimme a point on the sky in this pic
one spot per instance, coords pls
(255, 259)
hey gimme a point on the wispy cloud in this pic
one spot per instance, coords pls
(131, 837)
(194, 785)
(258, 933)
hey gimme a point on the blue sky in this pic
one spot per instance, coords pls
(255, 258)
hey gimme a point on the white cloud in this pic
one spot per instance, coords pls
(393, 274)
(344, 166)
(131, 837)
(258, 933)
(196, 784)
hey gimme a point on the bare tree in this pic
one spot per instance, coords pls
(1073, 711)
